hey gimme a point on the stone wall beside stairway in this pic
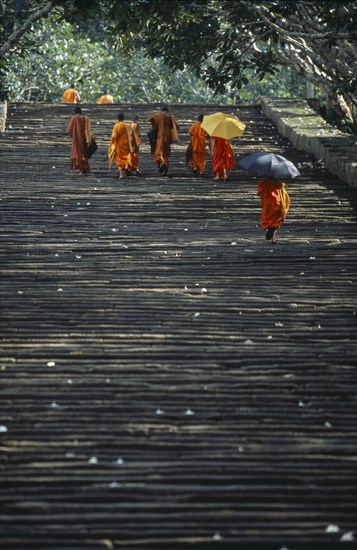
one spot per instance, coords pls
(309, 132)
(3, 114)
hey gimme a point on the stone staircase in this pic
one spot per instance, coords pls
(169, 379)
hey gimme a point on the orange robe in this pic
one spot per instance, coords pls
(223, 156)
(79, 130)
(199, 152)
(121, 137)
(71, 96)
(163, 123)
(275, 202)
(105, 99)
(135, 142)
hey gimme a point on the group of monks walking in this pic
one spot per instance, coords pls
(220, 149)
(71, 95)
(126, 139)
(124, 147)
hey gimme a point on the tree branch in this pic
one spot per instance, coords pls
(22, 29)
(317, 58)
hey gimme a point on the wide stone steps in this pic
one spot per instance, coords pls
(169, 379)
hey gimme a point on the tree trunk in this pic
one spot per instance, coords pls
(340, 114)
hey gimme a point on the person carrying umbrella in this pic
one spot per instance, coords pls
(274, 198)
(275, 203)
(222, 157)
(222, 127)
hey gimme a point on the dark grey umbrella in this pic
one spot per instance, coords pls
(270, 164)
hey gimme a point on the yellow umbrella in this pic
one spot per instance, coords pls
(223, 125)
(111, 154)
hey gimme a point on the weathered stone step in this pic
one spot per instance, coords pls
(169, 379)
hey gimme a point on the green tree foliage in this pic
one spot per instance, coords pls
(81, 53)
(19, 18)
(176, 50)
(224, 40)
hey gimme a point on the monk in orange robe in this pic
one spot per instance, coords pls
(79, 128)
(121, 137)
(106, 98)
(222, 157)
(135, 142)
(71, 95)
(165, 125)
(199, 151)
(275, 204)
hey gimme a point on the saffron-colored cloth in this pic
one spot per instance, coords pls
(135, 142)
(121, 137)
(199, 151)
(71, 96)
(111, 154)
(87, 129)
(275, 202)
(164, 123)
(105, 99)
(79, 130)
(223, 156)
(174, 130)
